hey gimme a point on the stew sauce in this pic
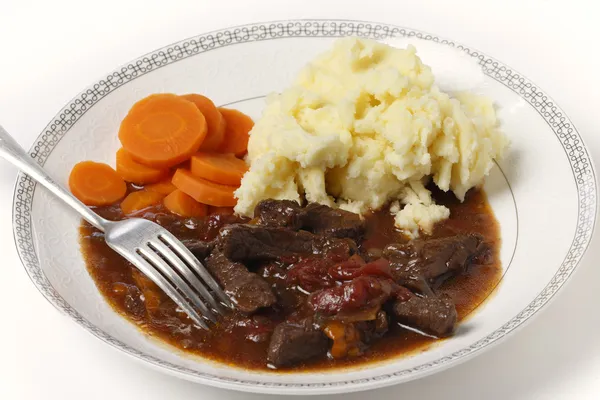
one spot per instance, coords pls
(242, 341)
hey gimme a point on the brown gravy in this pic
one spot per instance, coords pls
(228, 344)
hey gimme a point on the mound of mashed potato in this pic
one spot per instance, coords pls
(364, 125)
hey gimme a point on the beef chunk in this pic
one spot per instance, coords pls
(199, 248)
(433, 315)
(324, 220)
(294, 342)
(421, 263)
(279, 213)
(410, 275)
(249, 291)
(315, 218)
(257, 243)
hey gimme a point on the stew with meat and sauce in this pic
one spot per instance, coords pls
(315, 287)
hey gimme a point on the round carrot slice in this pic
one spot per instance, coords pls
(162, 130)
(237, 127)
(139, 200)
(204, 191)
(181, 204)
(96, 184)
(134, 172)
(214, 121)
(226, 169)
(163, 187)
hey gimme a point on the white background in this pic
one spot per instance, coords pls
(50, 50)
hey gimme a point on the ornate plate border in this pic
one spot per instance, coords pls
(581, 165)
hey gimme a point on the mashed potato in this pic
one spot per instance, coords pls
(364, 125)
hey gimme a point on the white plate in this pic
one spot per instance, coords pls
(544, 194)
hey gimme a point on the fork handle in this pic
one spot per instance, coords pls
(12, 152)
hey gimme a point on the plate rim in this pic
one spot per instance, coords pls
(573, 144)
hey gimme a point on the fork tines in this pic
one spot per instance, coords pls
(168, 263)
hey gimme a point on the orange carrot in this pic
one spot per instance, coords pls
(96, 184)
(139, 200)
(220, 210)
(134, 172)
(204, 191)
(162, 130)
(163, 187)
(181, 204)
(219, 168)
(237, 126)
(214, 121)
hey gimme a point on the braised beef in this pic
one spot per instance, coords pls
(315, 218)
(324, 220)
(421, 263)
(248, 290)
(248, 243)
(199, 248)
(433, 315)
(279, 213)
(294, 342)
(288, 298)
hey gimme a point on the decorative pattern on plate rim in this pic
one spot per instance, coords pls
(581, 165)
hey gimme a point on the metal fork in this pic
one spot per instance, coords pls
(151, 248)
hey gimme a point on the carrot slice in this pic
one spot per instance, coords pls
(134, 172)
(181, 204)
(163, 187)
(220, 168)
(214, 121)
(220, 210)
(96, 184)
(162, 130)
(237, 126)
(204, 191)
(139, 200)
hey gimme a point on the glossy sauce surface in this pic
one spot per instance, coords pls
(242, 340)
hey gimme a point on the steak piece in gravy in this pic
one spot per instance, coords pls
(279, 213)
(324, 220)
(294, 342)
(200, 249)
(421, 263)
(432, 315)
(249, 291)
(315, 218)
(247, 243)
